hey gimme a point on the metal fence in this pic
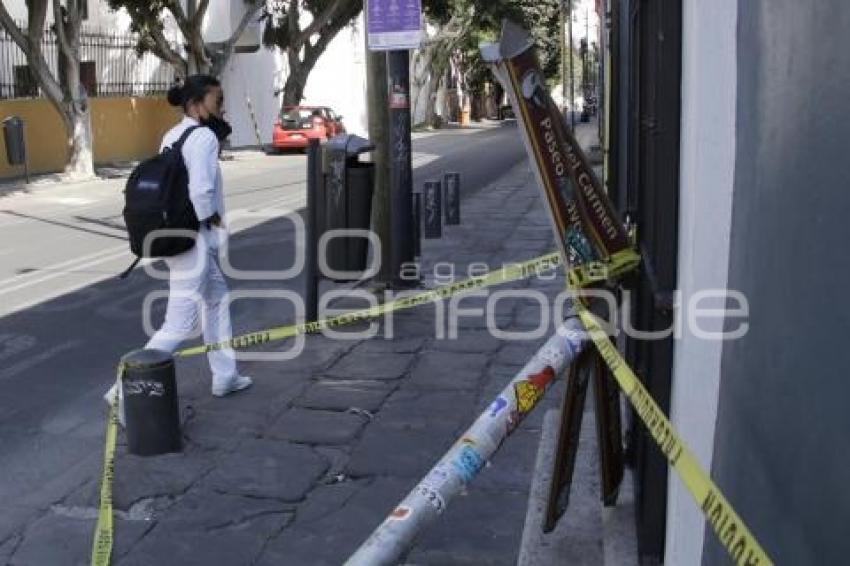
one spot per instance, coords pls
(110, 66)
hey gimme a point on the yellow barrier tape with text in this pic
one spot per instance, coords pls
(730, 529)
(103, 539)
(103, 534)
(511, 272)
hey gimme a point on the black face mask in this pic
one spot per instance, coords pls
(220, 127)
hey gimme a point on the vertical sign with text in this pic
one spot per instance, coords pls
(394, 24)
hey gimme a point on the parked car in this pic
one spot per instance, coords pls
(297, 125)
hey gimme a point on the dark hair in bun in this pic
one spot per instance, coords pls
(192, 89)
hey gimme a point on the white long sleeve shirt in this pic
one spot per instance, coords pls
(200, 153)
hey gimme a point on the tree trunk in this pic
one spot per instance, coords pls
(64, 91)
(293, 89)
(431, 92)
(77, 116)
(198, 64)
(81, 160)
(299, 72)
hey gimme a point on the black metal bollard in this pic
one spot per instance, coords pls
(150, 403)
(311, 275)
(452, 198)
(432, 209)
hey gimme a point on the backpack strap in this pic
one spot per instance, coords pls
(178, 145)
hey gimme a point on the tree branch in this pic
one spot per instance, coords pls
(227, 49)
(300, 68)
(13, 30)
(319, 22)
(160, 46)
(176, 9)
(75, 19)
(30, 44)
(59, 24)
(191, 33)
(292, 16)
(328, 32)
(200, 12)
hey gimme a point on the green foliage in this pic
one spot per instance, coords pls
(143, 15)
(303, 47)
(277, 29)
(482, 20)
(542, 19)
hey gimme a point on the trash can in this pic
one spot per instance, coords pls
(13, 134)
(151, 409)
(349, 184)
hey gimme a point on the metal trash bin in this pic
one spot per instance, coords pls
(151, 409)
(13, 135)
(349, 184)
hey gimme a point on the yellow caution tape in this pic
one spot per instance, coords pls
(594, 271)
(510, 272)
(728, 526)
(102, 546)
(730, 529)
(103, 534)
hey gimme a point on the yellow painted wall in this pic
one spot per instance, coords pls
(130, 128)
(124, 129)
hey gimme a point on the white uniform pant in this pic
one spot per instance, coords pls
(197, 288)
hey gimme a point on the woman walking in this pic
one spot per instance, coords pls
(197, 288)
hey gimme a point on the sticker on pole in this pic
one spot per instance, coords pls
(394, 24)
(468, 462)
(529, 391)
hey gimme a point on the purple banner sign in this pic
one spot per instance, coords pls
(394, 24)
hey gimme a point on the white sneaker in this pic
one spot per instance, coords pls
(109, 397)
(228, 385)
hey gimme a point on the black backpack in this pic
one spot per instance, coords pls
(157, 197)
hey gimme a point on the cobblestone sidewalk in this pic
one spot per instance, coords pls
(302, 467)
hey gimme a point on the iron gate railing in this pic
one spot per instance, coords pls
(110, 65)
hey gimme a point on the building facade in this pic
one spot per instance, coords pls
(727, 121)
(127, 90)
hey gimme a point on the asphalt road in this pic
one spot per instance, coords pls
(65, 320)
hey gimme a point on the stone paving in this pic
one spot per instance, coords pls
(302, 467)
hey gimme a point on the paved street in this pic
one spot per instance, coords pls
(66, 320)
(299, 469)
(667, 417)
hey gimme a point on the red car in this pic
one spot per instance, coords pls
(297, 125)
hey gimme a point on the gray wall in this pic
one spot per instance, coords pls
(782, 446)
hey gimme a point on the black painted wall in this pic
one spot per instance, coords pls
(782, 445)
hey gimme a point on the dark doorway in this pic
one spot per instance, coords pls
(647, 49)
